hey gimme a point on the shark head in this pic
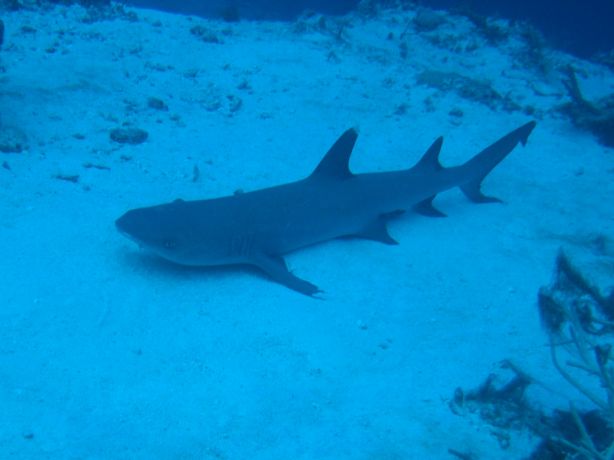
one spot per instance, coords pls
(149, 228)
(171, 232)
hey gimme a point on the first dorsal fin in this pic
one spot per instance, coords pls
(430, 160)
(335, 163)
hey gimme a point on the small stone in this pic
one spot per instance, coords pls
(195, 173)
(157, 104)
(131, 136)
(74, 178)
(204, 34)
(234, 103)
(244, 86)
(401, 109)
(333, 57)
(12, 140)
(28, 29)
(96, 166)
(403, 50)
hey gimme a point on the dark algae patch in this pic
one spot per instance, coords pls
(594, 116)
(468, 88)
(132, 136)
(577, 315)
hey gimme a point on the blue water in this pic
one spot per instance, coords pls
(263, 9)
(583, 28)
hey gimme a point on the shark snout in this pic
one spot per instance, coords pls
(128, 225)
(122, 224)
(149, 227)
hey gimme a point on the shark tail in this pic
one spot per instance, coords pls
(485, 161)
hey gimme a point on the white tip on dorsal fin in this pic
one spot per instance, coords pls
(335, 163)
(430, 160)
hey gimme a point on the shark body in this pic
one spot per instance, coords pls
(259, 227)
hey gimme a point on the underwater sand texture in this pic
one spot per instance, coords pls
(107, 352)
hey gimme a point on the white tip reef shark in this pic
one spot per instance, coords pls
(258, 228)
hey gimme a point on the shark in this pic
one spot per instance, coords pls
(258, 228)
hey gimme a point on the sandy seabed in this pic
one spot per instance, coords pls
(107, 352)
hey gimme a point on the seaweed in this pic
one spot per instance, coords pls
(534, 50)
(10, 5)
(503, 406)
(467, 88)
(492, 33)
(95, 10)
(14, 5)
(98, 11)
(579, 321)
(578, 318)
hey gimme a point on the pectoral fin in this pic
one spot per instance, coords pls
(426, 208)
(376, 230)
(276, 268)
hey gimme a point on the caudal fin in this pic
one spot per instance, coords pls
(484, 162)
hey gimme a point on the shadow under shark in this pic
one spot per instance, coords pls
(258, 228)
